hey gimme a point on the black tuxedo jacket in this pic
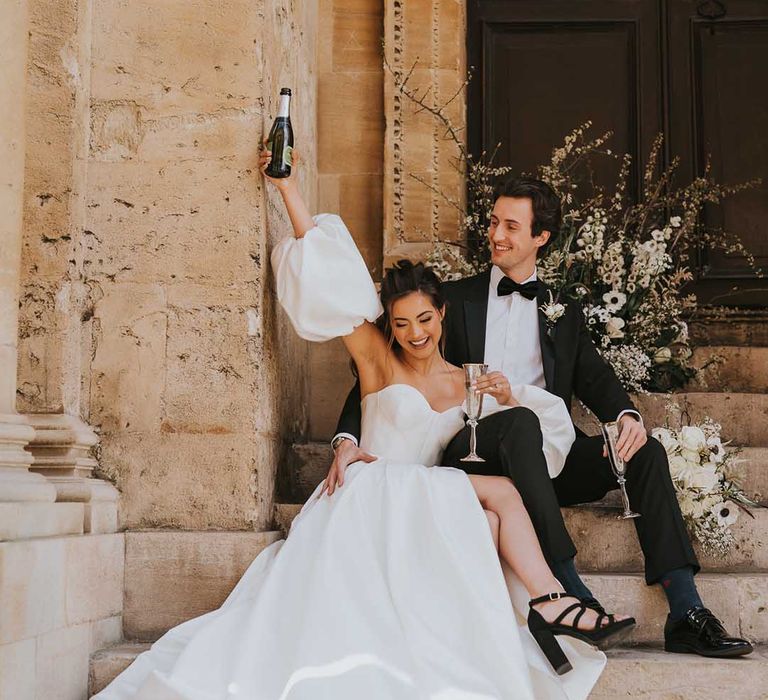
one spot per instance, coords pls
(572, 365)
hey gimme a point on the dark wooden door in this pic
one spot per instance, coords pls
(697, 71)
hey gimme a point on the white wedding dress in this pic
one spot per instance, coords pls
(391, 589)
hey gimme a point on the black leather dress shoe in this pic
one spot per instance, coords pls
(700, 632)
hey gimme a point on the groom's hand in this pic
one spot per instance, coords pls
(345, 454)
(632, 437)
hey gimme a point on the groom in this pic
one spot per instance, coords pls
(497, 317)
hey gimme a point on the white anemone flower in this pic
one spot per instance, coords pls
(726, 512)
(614, 300)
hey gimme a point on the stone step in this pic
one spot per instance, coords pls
(738, 599)
(172, 576)
(607, 544)
(645, 673)
(107, 664)
(742, 369)
(310, 462)
(651, 674)
(743, 417)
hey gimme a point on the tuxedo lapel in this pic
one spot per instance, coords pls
(475, 315)
(546, 341)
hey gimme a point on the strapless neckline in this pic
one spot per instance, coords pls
(417, 392)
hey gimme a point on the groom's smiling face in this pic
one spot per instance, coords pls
(513, 247)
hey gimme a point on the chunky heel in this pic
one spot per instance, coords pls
(549, 645)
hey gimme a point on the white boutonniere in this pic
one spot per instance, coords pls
(552, 311)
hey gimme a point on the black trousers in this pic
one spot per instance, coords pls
(511, 443)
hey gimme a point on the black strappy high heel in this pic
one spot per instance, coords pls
(601, 636)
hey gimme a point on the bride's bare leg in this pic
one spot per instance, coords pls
(519, 545)
(493, 522)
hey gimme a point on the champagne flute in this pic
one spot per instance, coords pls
(473, 406)
(618, 465)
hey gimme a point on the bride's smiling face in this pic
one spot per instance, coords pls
(417, 324)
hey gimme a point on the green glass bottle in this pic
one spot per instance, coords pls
(280, 140)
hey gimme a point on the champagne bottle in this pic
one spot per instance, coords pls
(280, 140)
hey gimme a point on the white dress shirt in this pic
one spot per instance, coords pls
(512, 344)
(512, 340)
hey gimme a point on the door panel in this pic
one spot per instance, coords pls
(696, 70)
(718, 110)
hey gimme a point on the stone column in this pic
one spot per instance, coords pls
(26, 499)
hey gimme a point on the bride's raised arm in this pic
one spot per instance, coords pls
(324, 285)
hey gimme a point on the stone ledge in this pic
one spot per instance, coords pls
(107, 664)
(172, 576)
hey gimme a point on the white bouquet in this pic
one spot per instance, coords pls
(702, 471)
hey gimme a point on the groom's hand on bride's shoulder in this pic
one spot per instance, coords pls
(345, 454)
(631, 437)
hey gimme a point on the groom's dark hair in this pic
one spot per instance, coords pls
(547, 210)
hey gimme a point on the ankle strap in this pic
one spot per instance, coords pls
(547, 598)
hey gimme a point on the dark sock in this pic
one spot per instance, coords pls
(565, 572)
(680, 589)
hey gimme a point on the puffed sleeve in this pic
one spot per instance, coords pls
(323, 283)
(556, 425)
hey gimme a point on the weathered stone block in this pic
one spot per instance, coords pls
(133, 325)
(359, 107)
(742, 369)
(106, 664)
(17, 670)
(357, 38)
(94, 577)
(100, 517)
(210, 343)
(171, 577)
(176, 57)
(24, 520)
(32, 588)
(188, 220)
(62, 663)
(186, 480)
(107, 631)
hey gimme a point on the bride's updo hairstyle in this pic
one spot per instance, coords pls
(402, 279)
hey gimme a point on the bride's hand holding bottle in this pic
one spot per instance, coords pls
(288, 188)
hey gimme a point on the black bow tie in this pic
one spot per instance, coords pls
(529, 290)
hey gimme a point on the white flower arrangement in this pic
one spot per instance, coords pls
(702, 472)
(621, 255)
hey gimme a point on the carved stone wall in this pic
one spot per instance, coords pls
(146, 300)
(426, 39)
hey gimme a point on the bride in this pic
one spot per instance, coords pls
(389, 585)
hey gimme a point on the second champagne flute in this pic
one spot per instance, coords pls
(473, 406)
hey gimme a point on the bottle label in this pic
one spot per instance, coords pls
(288, 156)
